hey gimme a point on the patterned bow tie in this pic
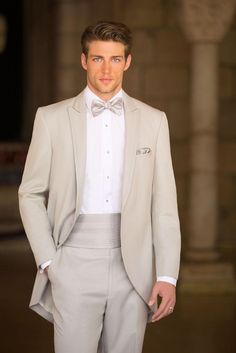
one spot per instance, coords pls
(114, 106)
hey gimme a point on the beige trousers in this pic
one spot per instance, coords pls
(96, 308)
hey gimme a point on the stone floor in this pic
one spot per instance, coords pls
(200, 324)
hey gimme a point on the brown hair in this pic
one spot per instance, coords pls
(107, 31)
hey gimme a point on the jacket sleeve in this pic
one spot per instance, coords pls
(165, 220)
(33, 192)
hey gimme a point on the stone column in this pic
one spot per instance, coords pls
(3, 33)
(204, 23)
(71, 19)
(37, 70)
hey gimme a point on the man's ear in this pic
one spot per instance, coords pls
(128, 62)
(84, 61)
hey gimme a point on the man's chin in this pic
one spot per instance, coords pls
(106, 90)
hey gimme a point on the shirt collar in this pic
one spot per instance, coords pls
(90, 96)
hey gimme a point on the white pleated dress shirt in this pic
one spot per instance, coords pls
(105, 158)
(104, 163)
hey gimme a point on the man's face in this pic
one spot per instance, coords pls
(105, 65)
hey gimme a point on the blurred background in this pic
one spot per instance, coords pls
(184, 62)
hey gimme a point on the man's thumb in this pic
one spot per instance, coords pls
(152, 299)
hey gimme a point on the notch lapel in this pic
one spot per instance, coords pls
(77, 115)
(132, 122)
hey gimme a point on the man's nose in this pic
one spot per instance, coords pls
(106, 67)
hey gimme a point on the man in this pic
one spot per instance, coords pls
(98, 203)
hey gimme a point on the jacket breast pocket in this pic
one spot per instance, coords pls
(143, 151)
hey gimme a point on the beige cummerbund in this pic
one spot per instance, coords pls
(96, 231)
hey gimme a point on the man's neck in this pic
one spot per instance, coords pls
(106, 96)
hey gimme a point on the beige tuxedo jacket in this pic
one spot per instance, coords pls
(50, 193)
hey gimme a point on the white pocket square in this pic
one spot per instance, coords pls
(143, 150)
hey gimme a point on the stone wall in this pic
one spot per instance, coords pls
(227, 139)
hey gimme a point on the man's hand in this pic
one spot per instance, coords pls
(166, 291)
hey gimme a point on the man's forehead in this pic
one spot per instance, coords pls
(102, 48)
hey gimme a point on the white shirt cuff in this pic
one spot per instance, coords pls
(44, 265)
(167, 279)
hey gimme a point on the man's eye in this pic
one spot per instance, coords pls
(116, 60)
(97, 60)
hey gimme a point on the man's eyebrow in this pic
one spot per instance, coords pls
(100, 56)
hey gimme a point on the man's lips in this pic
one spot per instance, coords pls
(105, 80)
